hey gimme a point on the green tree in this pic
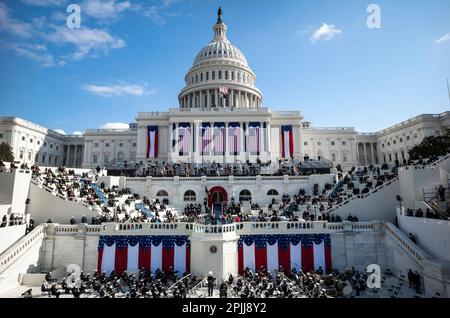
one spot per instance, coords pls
(6, 153)
(431, 146)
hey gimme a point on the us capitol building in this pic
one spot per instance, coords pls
(220, 118)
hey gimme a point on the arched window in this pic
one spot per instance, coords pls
(272, 192)
(162, 193)
(245, 195)
(120, 157)
(189, 195)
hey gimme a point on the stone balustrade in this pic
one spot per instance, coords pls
(209, 230)
(412, 249)
(19, 248)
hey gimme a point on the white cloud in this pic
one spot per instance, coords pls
(444, 38)
(35, 52)
(88, 42)
(154, 14)
(77, 133)
(326, 32)
(60, 131)
(115, 126)
(120, 89)
(105, 9)
(44, 3)
(13, 26)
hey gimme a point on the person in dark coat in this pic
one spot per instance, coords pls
(210, 280)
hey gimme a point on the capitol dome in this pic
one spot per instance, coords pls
(220, 48)
(220, 76)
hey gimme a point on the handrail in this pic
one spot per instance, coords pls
(334, 188)
(362, 196)
(412, 249)
(8, 257)
(192, 290)
(178, 281)
(439, 161)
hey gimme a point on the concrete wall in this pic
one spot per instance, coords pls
(9, 235)
(27, 253)
(413, 181)
(63, 250)
(358, 249)
(14, 189)
(44, 205)
(376, 206)
(431, 235)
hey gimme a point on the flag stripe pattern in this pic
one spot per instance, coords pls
(219, 138)
(184, 138)
(206, 138)
(152, 142)
(254, 138)
(306, 252)
(234, 138)
(287, 143)
(131, 253)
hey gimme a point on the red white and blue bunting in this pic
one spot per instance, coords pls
(287, 142)
(306, 252)
(132, 253)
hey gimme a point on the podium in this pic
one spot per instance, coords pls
(214, 248)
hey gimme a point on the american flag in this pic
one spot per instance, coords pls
(223, 90)
(234, 140)
(206, 138)
(253, 138)
(184, 138)
(219, 138)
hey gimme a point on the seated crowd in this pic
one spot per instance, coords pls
(279, 283)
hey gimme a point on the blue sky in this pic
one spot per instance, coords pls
(131, 56)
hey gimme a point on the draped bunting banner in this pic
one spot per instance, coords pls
(184, 138)
(306, 252)
(152, 142)
(131, 253)
(206, 138)
(254, 138)
(219, 138)
(234, 140)
(287, 143)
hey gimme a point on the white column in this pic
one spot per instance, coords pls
(372, 153)
(232, 99)
(197, 141)
(365, 154)
(261, 138)
(241, 137)
(226, 141)
(176, 140)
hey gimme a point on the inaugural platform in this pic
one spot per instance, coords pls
(223, 197)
